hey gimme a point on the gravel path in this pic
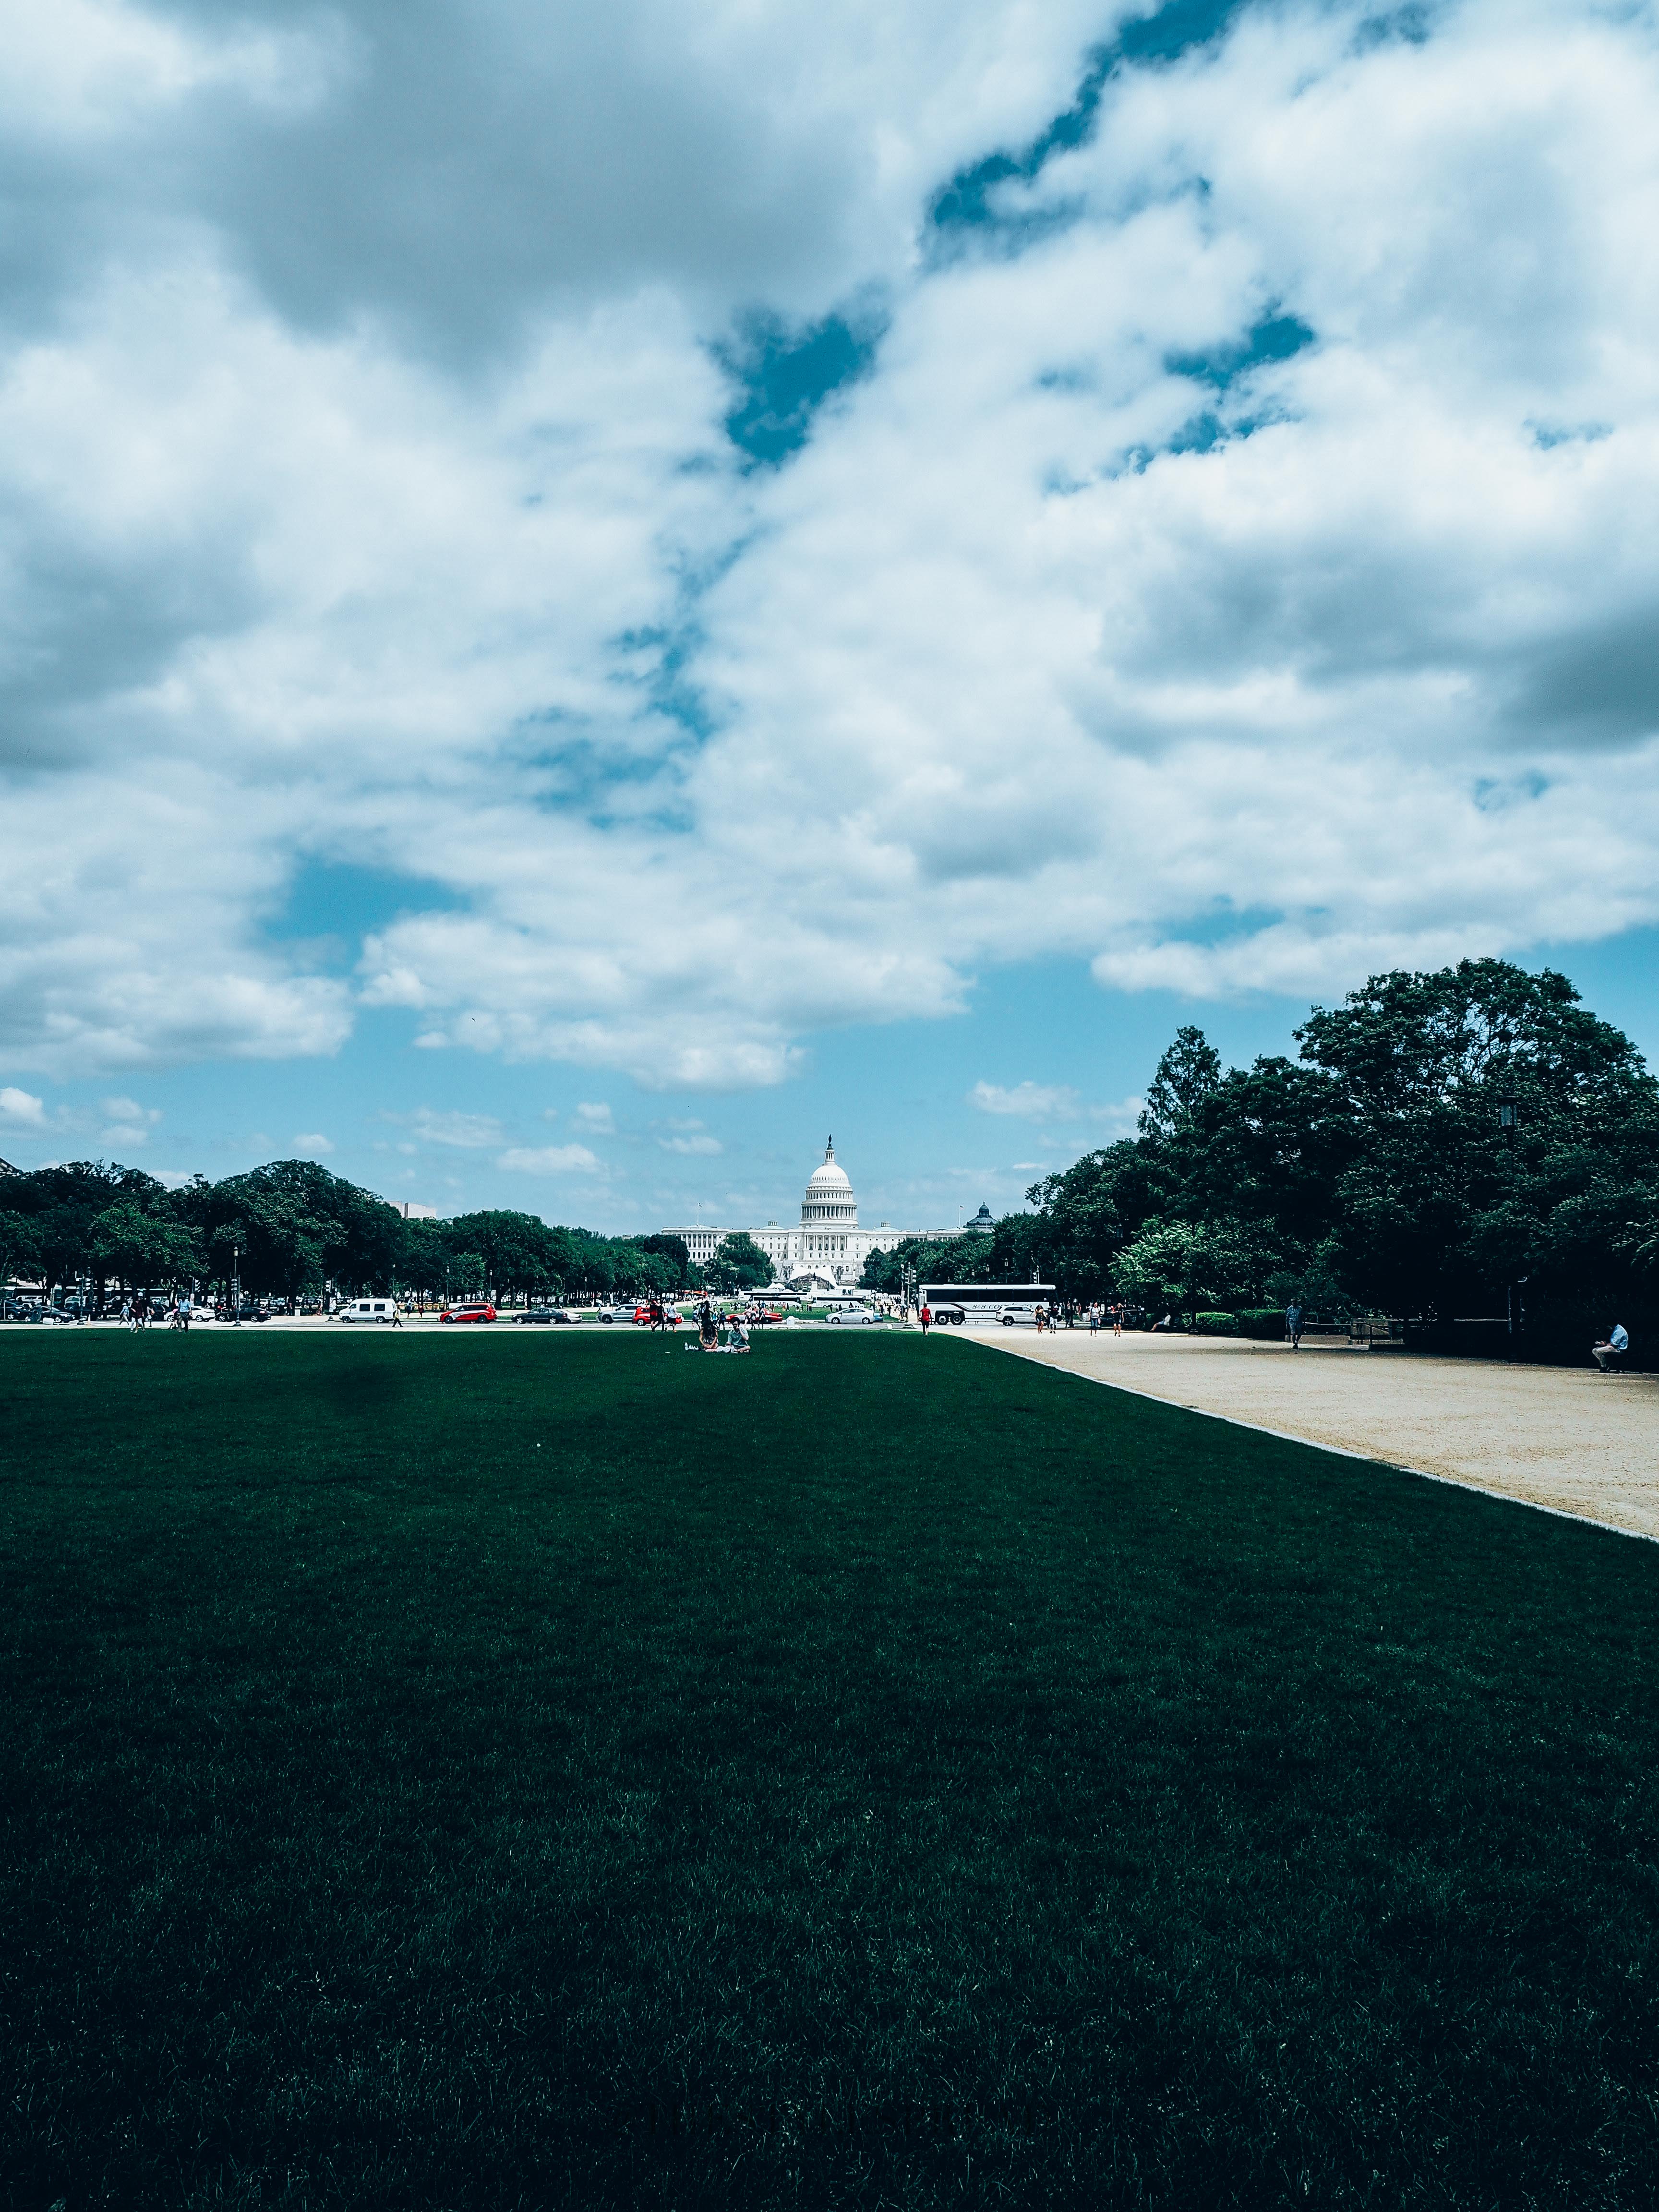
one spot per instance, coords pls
(1579, 1442)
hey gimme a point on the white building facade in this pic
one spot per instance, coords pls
(828, 1244)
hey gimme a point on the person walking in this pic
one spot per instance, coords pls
(1093, 1320)
(1293, 1325)
(397, 1315)
(926, 1317)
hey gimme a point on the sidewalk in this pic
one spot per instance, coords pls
(1581, 1443)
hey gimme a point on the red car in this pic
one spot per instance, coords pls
(468, 1313)
(644, 1316)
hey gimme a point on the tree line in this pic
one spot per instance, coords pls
(288, 1229)
(1468, 1143)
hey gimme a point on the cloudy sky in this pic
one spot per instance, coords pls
(591, 593)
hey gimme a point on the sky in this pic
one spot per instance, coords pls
(589, 597)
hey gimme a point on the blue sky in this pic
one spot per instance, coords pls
(590, 598)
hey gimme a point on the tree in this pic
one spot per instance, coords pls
(145, 1249)
(20, 1248)
(1186, 1076)
(296, 1225)
(1189, 1267)
(675, 1252)
(1442, 1137)
(62, 1203)
(740, 1264)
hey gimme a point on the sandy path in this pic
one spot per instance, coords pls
(1578, 1442)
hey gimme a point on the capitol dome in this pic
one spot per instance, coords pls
(829, 1202)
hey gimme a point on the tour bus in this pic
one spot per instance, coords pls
(1007, 1303)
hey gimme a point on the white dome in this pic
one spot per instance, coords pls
(828, 1200)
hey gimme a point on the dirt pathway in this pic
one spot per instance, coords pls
(1579, 1442)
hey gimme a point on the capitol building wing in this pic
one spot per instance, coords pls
(828, 1248)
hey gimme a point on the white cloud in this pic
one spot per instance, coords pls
(312, 1141)
(699, 1147)
(467, 1132)
(414, 538)
(596, 1118)
(129, 1123)
(1030, 1102)
(1119, 1118)
(21, 1109)
(548, 1159)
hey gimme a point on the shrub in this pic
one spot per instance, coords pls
(1215, 1324)
(1266, 1323)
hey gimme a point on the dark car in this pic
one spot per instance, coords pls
(545, 1316)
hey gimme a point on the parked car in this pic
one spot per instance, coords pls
(384, 1310)
(468, 1313)
(761, 1314)
(644, 1316)
(616, 1313)
(852, 1316)
(545, 1316)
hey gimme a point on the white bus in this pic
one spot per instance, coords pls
(1007, 1303)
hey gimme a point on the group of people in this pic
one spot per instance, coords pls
(709, 1331)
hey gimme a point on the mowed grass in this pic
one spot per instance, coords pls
(531, 1772)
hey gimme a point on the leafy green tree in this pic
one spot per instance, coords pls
(143, 1247)
(469, 1274)
(421, 1268)
(1188, 1073)
(62, 1203)
(20, 1248)
(296, 1227)
(1189, 1267)
(740, 1264)
(1442, 1136)
(675, 1251)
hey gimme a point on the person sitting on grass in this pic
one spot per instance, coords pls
(738, 1335)
(1613, 1352)
(708, 1336)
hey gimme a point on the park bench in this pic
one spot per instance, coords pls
(1377, 1331)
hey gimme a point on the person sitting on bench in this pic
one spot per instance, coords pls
(1611, 1353)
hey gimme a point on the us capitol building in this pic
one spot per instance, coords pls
(829, 1250)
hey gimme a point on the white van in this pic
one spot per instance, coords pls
(382, 1310)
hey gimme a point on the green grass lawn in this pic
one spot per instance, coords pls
(545, 1771)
